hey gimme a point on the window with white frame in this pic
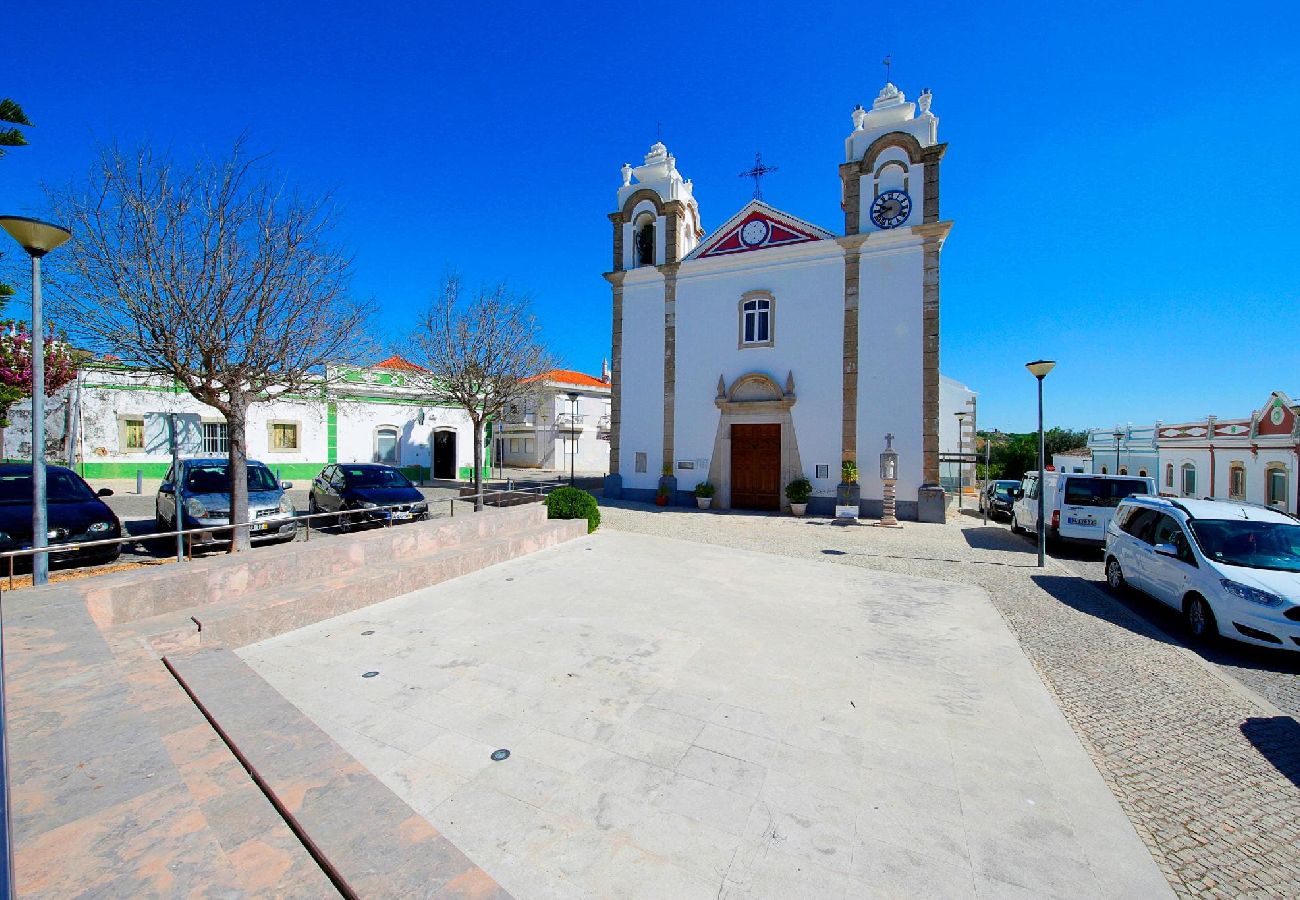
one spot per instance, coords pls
(1236, 481)
(386, 447)
(1277, 479)
(1189, 480)
(133, 435)
(282, 437)
(756, 322)
(216, 438)
(1169, 475)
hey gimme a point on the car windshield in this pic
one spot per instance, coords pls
(366, 476)
(1004, 488)
(212, 479)
(1249, 543)
(1101, 491)
(60, 487)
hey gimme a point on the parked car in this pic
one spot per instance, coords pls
(998, 497)
(1232, 569)
(356, 491)
(74, 514)
(205, 491)
(1078, 506)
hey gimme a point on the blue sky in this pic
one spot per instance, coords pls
(1122, 177)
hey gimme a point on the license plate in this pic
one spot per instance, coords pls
(261, 526)
(400, 514)
(1083, 523)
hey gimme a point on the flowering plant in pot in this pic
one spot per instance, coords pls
(661, 495)
(704, 494)
(798, 492)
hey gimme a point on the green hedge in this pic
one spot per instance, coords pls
(573, 503)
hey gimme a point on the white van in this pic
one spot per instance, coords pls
(1078, 506)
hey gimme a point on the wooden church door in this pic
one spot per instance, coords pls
(756, 466)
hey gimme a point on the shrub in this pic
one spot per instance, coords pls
(799, 490)
(573, 503)
(849, 472)
(704, 489)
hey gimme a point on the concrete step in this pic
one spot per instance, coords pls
(369, 842)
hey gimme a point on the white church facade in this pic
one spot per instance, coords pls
(772, 348)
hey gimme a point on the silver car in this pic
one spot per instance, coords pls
(205, 500)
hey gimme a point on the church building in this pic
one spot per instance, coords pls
(774, 349)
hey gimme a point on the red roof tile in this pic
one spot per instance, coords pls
(568, 376)
(397, 362)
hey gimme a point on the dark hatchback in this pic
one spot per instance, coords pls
(357, 491)
(999, 496)
(74, 514)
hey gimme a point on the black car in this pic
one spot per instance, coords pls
(356, 491)
(998, 497)
(74, 514)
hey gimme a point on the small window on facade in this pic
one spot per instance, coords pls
(1189, 480)
(284, 435)
(1169, 475)
(528, 445)
(1123, 470)
(386, 445)
(133, 434)
(639, 463)
(1103, 471)
(756, 322)
(514, 445)
(1237, 481)
(1277, 487)
(216, 439)
(1142, 473)
(645, 240)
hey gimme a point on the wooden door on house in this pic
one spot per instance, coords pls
(756, 466)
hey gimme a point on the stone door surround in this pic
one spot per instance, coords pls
(754, 398)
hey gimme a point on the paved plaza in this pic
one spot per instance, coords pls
(686, 719)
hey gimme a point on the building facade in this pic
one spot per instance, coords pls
(113, 422)
(1251, 458)
(563, 425)
(772, 348)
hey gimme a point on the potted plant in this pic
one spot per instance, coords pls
(704, 494)
(667, 485)
(798, 492)
(661, 495)
(849, 472)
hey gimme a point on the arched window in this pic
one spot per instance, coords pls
(1142, 473)
(644, 237)
(1123, 470)
(756, 321)
(1189, 480)
(1236, 481)
(386, 445)
(1104, 471)
(1169, 475)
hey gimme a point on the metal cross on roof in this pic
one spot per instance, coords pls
(888, 62)
(756, 173)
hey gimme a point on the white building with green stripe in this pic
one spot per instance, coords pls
(113, 423)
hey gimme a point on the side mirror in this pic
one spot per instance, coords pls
(1167, 550)
(286, 485)
(166, 488)
(1017, 493)
(104, 492)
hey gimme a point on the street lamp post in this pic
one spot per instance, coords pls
(1117, 434)
(573, 432)
(961, 444)
(37, 238)
(1039, 369)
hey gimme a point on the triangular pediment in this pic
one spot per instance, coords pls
(758, 227)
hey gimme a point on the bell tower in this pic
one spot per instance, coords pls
(657, 221)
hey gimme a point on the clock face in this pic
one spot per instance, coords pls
(754, 233)
(891, 209)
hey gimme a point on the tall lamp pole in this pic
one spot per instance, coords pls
(37, 238)
(1039, 369)
(961, 464)
(573, 432)
(1117, 434)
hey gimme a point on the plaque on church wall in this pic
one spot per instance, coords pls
(823, 471)
(846, 512)
(686, 464)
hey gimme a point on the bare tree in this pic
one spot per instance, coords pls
(477, 353)
(212, 275)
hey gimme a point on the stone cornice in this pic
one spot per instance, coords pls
(935, 231)
(614, 278)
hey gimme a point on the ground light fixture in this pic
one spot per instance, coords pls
(1039, 369)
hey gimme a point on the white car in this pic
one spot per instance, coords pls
(1078, 506)
(1231, 569)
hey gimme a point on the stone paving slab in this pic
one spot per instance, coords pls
(378, 846)
(690, 720)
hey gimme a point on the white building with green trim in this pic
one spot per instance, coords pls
(113, 423)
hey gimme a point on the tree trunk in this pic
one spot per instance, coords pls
(478, 464)
(236, 418)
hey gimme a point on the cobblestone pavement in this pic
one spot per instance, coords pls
(1207, 772)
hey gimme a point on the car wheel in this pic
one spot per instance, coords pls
(1115, 576)
(1015, 525)
(1199, 619)
(346, 521)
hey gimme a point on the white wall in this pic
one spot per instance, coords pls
(642, 376)
(807, 283)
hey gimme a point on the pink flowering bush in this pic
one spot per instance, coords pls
(16, 365)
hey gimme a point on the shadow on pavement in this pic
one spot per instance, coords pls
(1278, 740)
(993, 538)
(1082, 595)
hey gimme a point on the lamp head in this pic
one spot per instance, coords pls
(574, 395)
(36, 237)
(1040, 367)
